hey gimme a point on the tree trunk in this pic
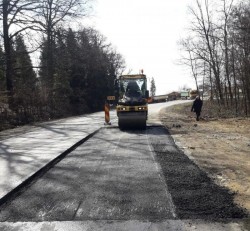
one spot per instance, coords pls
(235, 82)
(7, 50)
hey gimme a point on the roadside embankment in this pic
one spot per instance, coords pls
(220, 146)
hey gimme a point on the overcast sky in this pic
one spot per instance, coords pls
(146, 32)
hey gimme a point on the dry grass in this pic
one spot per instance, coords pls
(218, 143)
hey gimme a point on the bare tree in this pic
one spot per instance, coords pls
(15, 18)
(190, 59)
(205, 29)
(241, 51)
(219, 40)
(227, 7)
(49, 15)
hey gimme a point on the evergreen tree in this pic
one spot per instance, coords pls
(101, 66)
(2, 79)
(84, 71)
(61, 86)
(77, 68)
(46, 82)
(24, 81)
(152, 87)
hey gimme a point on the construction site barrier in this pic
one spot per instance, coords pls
(107, 116)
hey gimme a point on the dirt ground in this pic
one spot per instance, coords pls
(219, 146)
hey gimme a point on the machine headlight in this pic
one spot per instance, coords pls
(121, 109)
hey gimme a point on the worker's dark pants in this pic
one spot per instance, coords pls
(198, 113)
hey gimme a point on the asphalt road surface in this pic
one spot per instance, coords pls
(127, 178)
(122, 175)
(112, 176)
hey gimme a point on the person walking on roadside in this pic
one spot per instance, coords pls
(196, 107)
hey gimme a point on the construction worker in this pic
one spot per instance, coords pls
(196, 107)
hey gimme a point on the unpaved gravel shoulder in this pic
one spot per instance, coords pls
(221, 147)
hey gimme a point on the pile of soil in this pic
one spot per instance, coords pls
(218, 144)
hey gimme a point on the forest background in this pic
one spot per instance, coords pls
(77, 66)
